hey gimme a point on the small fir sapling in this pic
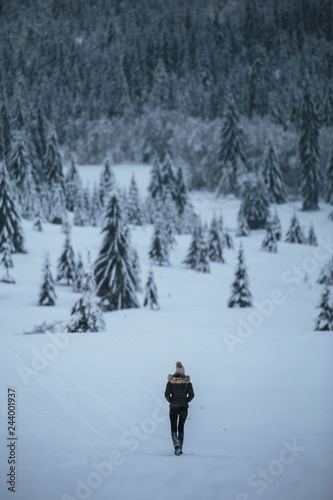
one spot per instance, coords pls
(151, 296)
(47, 296)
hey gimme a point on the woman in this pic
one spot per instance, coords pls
(178, 392)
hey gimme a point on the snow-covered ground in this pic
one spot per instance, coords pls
(92, 421)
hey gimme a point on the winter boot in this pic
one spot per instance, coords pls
(175, 443)
(180, 441)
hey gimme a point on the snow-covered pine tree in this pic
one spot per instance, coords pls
(114, 273)
(240, 292)
(295, 233)
(324, 320)
(20, 163)
(312, 238)
(37, 225)
(242, 225)
(329, 180)
(197, 256)
(276, 224)
(269, 243)
(95, 215)
(227, 239)
(309, 154)
(29, 199)
(215, 242)
(79, 275)
(273, 177)
(330, 215)
(191, 259)
(107, 183)
(180, 193)
(47, 296)
(6, 131)
(10, 221)
(203, 257)
(86, 316)
(56, 204)
(326, 273)
(168, 177)
(155, 184)
(231, 158)
(255, 203)
(7, 262)
(66, 264)
(159, 251)
(80, 214)
(151, 296)
(133, 208)
(136, 267)
(73, 184)
(53, 167)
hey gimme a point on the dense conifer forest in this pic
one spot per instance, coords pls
(130, 79)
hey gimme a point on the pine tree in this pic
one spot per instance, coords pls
(6, 132)
(134, 215)
(240, 293)
(79, 275)
(181, 198)
(53, 168)
(269, 243)
(231, 158)
(295, 233)
(151, 296)
(191, 259)
(107, 183)
(158, 252)
(326, 274)
(312, 238)
(329, 180)
(37, 226)
(136, 267)
(330, 215)
(114, 273)
(197, 257)
(56, 204)
(168, 177)
(73, 184)
(47, 296)
(309, 154)
(10, 221)
(86, 314)
(276, 224)
(324, 320)
(66, 264)
(255, 204)
(29, 198)
(203, 257)
(95, 215)
(242, 225)
(7, 262)
(80, 213)
(155, 184)
(215, 242)
(39, 136)
(20, 163)
(273, 178)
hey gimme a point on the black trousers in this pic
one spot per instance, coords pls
(177, 419)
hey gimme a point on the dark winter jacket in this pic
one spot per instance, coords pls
(179, 390)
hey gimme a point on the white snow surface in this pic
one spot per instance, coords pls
(91, 418)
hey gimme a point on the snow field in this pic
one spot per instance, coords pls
(93, 404)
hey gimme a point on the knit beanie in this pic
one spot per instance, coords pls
(180, 368)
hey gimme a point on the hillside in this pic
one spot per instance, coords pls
(87, 401)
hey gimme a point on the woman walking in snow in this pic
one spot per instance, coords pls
(178, 392)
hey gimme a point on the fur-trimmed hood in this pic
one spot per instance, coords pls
(178, 378)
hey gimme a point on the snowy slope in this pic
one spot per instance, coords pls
(92, 421)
